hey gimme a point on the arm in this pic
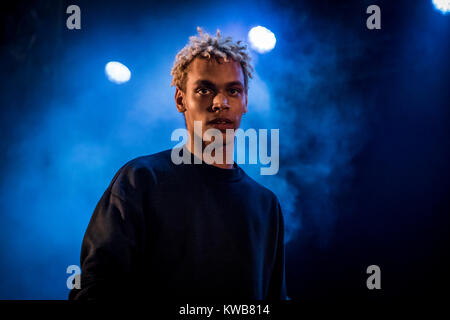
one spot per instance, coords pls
(277, 285)
(110, 253)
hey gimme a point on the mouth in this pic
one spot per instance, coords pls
(222, 123)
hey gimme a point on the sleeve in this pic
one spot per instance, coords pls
(110, 251)
(277, 284)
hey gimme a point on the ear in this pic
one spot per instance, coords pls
(179, 100)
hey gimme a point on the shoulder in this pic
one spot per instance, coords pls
(262, 192)
(140, 173)
(268, 203)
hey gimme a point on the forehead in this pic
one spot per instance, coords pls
(215, 72)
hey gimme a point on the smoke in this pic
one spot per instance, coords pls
(305, 85)
(73, 139)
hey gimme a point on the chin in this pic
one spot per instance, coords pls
(224, 137)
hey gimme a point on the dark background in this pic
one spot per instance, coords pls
(363, 118)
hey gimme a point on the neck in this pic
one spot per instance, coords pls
(198, 152)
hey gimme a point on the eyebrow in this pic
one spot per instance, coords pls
(208, 83)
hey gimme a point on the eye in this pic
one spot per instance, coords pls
(234, 91)
(203, 91)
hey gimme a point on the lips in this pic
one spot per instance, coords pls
(222, 123)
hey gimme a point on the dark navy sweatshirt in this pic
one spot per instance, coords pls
(184, 232)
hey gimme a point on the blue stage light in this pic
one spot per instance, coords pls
(261, 39)
(117, 72)
(442, 5)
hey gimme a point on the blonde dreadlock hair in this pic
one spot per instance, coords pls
(207, 47)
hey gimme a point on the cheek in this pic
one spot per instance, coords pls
(199, 102)
(196, 107)
(240, 104)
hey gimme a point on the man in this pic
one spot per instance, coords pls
(189, 231)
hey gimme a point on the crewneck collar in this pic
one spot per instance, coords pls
(212, 172)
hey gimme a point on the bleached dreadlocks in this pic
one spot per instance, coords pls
(206, 46)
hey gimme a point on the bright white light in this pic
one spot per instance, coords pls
(117, 72)
(261, 39)
(442, 5)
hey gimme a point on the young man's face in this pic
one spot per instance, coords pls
(215, 95)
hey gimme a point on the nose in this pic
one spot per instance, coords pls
(220, 102)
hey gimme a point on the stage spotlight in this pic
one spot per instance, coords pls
(117, 72)
(261, 39)
(442, 5)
